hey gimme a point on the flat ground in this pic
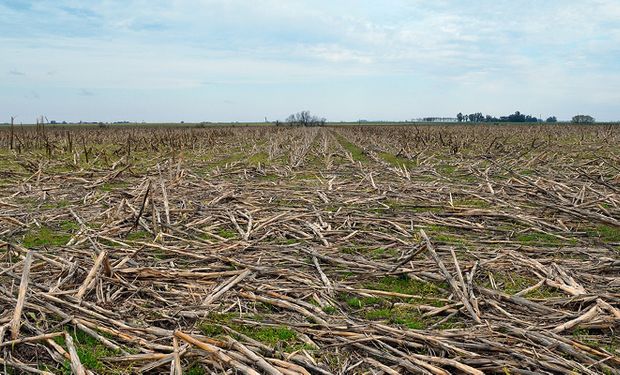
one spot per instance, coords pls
(337, 250)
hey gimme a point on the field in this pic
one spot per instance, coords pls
(332, 250)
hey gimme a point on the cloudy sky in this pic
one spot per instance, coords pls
(244, 60)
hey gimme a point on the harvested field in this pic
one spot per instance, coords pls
(332, 250)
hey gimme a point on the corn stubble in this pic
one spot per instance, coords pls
(264, 250)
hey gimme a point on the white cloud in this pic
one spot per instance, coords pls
(509, 51)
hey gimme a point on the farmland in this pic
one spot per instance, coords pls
(323, 250)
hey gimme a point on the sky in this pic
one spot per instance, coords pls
(247, 60)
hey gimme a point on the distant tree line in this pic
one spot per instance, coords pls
(519, 117)
(515, 117)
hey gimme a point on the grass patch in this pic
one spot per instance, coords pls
(196, 369)
(512, 284)
(274, 336)
(231, 158)
(411, 206)
(260, 158)
(536, 238)
(605, 233)
(383, 253)
(590, 338)
(110, 186)
(268, 177)
(358, 303)
(90, 352)
(397, 161)
(406, 285)
(45, 236)
(446, 169)
(329, 310)
(472, 202)
(56, 204)
(284, 241)
(138, 235)
(69, 226)
(227, 233)
(441, 234)
(409, 319)
(357, 153)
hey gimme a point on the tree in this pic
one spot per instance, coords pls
(583, 119)
(516, 117)
(305, 118)
(459, 117)
(552, 119)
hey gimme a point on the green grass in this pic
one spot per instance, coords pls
(231, 158)
(69, 226)
(274, 336)
(358, 303)
(357, 153)
(536, 238)
(110, 186)
(90, 352)
(446, 169)
(472, 202)
(428, 293)
(372, 252)
(605, 233)
(441, 234)
(329, 310)
(511, 284)
(406, 285)
(56, 204)
(397, 161)
(271, 335)
(268, 177)
(138, 235)
(409, 319)
(259, 158)
(411, 206)
(227, 233)
(378, 309)
(45, 236)
(588, 337)
(196, 369)
(383, 253)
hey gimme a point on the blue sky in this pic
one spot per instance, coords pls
(235, 60)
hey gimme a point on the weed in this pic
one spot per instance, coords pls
(45, 236)
(472, 202)
(196, 369)
(397, 161)
(406, 285)
(269, 335)
(56, 204)
(69, 226)
(138, 235)
(446, 169)
(605, 233)
(260, 158)
(358, 303)
(537, 238)
(330, 310)
(90, 352)
(357, 153)
(227, 233)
